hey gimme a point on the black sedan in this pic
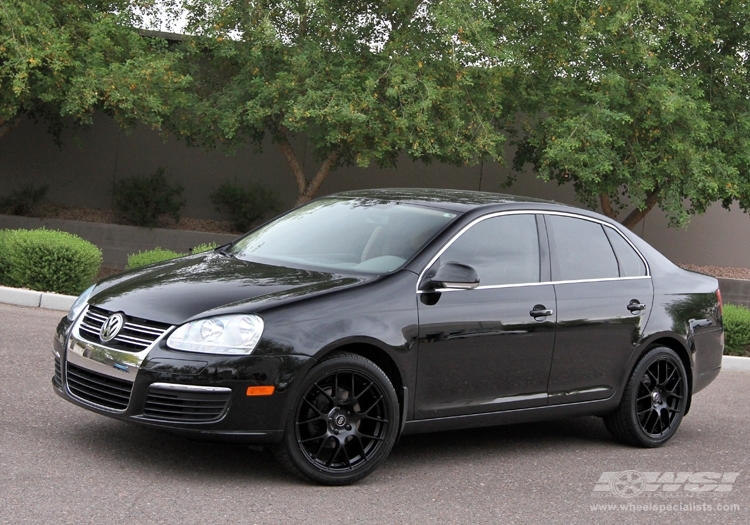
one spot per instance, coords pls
(333, 329)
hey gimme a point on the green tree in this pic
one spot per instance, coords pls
(639, 103)
(363, 81)
(64, 59)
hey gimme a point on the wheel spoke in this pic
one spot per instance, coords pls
(679, 380)
(333, 456)
(375, 438)
(375, 419)
(312, 405)
(644, 397)
(644, 422)
(362, 448)
(674, 371)
(373, 405)
(317, 418)
(328, 396)
(320, 448)
(346, 455)
(657, 421)
(363, 391)
(323, 435)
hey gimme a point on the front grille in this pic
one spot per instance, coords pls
(58, 373)
(176, 405)
(99, 389)
(135, 335)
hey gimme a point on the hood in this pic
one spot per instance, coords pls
(177, 290)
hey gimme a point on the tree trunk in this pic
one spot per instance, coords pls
(5, 127)
(637, 215)
(306, 189)
(607, 206)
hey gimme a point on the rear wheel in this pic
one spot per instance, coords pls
(654, 401)
(343, 424)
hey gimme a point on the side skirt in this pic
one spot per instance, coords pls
(510, 417)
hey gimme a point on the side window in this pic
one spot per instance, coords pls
(503, 250)
(580, 250)
(631, 265)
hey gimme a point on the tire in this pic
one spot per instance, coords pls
(343, 423)
(654, 401)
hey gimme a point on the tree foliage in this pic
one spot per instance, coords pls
(364, 81)
(639, 103)
(66, 58)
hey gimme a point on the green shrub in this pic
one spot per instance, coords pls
(736, 330)
(244, 205)
(4, 261)
(205, 247)
(142, 200)
(24, 200)
(156, 255)
(48, 261)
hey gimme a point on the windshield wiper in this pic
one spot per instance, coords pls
(224, 250)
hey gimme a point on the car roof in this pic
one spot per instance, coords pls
(449, 199)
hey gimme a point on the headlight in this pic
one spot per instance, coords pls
(80, 303)
(228, 334)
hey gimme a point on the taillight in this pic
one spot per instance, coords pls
(721, 304)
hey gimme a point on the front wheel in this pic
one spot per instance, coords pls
(343, 424)
(654, 401)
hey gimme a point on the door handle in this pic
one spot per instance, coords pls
(635, 306)
(540, 311)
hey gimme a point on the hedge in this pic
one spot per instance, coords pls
(47, 261)
(136, 260)
(736, 330)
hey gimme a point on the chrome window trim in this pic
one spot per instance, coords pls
(533, 212)
(191, 388)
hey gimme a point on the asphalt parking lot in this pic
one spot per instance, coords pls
(60, 464)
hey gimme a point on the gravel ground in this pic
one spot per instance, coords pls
(53, 211)
(719, 271)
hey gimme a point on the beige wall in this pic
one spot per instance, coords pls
(81, 173)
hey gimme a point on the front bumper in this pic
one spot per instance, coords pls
(200, 396)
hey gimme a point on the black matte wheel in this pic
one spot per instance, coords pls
(344, 423)
(654, 401)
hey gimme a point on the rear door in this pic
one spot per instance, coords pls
(604, 297)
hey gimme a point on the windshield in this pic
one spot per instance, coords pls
(362, 235)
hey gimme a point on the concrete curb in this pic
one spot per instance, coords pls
(733, 362)
(22, 297)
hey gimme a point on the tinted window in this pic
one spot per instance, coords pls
(631, 265)
(580, 250)
(503, 250)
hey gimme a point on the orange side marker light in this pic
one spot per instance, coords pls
(260, 390)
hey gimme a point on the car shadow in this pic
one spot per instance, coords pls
(521, 438)
(175, 455)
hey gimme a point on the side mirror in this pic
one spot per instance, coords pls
(454, 276)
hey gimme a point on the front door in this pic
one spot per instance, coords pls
(482, 350)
